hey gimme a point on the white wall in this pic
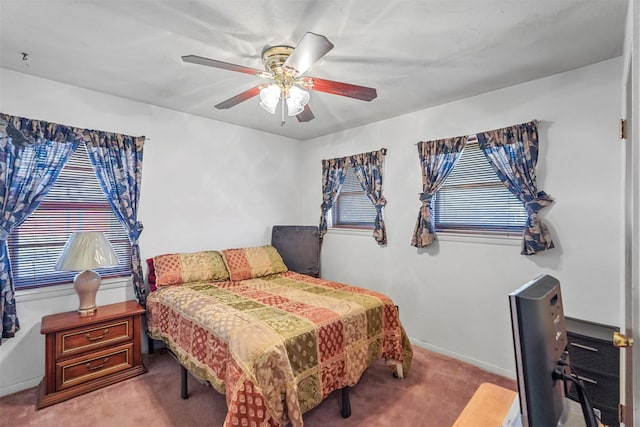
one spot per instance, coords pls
(205, 185)
(453, 296)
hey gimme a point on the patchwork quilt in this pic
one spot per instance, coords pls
(277, 345)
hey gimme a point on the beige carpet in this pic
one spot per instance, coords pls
(434, 393)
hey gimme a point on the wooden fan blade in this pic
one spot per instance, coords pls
(311, 48)
(235, 100)
(194, 59)
(306, 115)
(337, 88)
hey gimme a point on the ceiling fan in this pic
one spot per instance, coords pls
(285, 67)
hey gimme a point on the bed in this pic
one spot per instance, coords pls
(274, 342)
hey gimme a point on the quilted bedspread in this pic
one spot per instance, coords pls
(276, 346)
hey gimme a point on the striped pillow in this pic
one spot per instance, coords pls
(248, 263)
(175, 269)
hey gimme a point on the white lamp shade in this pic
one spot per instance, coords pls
(269, 98)
(296, 101)
(86, 251)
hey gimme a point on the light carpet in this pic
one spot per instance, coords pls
(433, 394)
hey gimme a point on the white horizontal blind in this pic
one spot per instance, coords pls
(473, 199)
(75, 203)
(353, 209)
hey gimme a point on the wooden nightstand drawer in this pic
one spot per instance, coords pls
(93, 337)
(78, 370)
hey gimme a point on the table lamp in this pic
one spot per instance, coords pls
(83, 252)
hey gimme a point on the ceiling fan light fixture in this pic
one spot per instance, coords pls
(269, 98)
(285, 66)
(297, 100)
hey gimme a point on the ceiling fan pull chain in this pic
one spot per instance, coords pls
(282, 120)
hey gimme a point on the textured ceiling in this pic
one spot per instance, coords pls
(416, 54)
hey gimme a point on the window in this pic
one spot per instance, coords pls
(353, 209)
(474, 200)
(75, 203)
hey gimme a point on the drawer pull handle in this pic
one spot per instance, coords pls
(585, 347)
(95, 368)
(587, 379)
(99, 337)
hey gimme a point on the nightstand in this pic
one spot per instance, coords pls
(85, 353)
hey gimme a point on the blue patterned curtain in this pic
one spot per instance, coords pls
(368, 169)
(32, 154)
(332, 179)
(513, 153)
(117, 161)
(437, 159)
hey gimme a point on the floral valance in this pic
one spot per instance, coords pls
(29, 131)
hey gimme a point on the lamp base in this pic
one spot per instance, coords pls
(86, 285)
(88, 312)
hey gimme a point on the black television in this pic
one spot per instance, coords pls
(542, 362)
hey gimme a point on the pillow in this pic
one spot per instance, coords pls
(175, 269)
(248, 263)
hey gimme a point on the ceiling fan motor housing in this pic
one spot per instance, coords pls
(273, 59)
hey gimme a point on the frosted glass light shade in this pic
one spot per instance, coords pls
(269, 98)
(296, 101)
(83, 252)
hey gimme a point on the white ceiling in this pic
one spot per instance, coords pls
(416, 54)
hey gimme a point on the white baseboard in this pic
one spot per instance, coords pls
(24, 385)
(480, 364)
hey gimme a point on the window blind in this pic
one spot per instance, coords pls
(353, 208)
(473, 199)
(75, 203)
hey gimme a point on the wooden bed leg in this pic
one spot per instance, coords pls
(150, 344)
(184, 393)
(346, 403)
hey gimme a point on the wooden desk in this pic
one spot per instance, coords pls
(487, 408)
